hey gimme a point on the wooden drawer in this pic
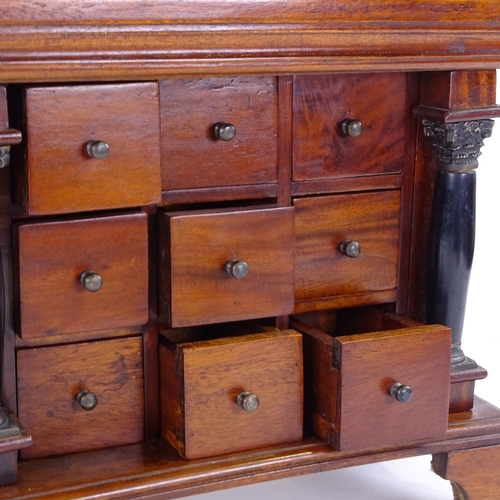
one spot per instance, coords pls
(193, 156)
(231, 394)
(56, 257)
(56, 383)
(322, 107)
(62, 176)
(202, 252)
(326, 226)
(349, 378)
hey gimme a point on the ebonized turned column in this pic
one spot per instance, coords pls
(452, 225)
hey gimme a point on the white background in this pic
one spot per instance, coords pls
(412, 479)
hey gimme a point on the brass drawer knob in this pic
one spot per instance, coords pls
(91, 280)
(400, 392)
(353, 128)
(248, 401)
(224, 131)
(237, 268)
(86, 399)
(350, 248)
(97, 149)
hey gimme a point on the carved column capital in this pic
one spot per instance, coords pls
(458, 145)
(4, 156)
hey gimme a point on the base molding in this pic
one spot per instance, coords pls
(154, 470)
(473, 473)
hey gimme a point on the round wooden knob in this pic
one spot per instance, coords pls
(400, 392)
(353, 128)
(237, 269)
(91, 280)
(248, 401)
(224, 131)
(86, 399)
(350, 248)
(97, 149)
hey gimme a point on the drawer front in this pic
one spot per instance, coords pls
(327, 109)
(374, 365)
(193, 154)
(62, 265)
(66, 126)
(330, 228)
(381, 388)
(224, 266)
(56, 384)
(261, 371)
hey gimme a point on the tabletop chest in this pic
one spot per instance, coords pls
(224, 267)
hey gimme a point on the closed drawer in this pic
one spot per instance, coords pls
(81, 397)
(381, 388)
(231, 394)
(81, 275)
(220, 265)
(327, 109)
(347, 248)
(194, 155)
(67, 125)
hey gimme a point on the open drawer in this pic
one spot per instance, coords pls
(373, 379)
(230, 387)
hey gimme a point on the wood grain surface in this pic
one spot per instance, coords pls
(111, 369)
(194, 249)
(323, 222)
(200, 415)
(322, 102)
(193, 158)
(53, 255)
(61, 177)
(348, 380)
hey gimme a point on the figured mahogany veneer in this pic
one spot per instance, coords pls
(191, 109)
(52, 258)
(349, 377)
(326, 278)
(59, 175)
(200, 382)
(321, 150)
(195, 247)
(120, 171)
(111, 369)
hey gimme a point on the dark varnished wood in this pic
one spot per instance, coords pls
(111, 369)
(285, 104)
(201, 380)
(247, 11)
(346, 185)
(194, 249)
(395, 35)
(439, 91)
(191, 108)
(117, 41)
(322, 223)
(322, 102)
(394, 354)
(155, 468)
(9, 446)
(220, 194)
(52, 256)
(473, 473)
(60, 177)
(458, 97)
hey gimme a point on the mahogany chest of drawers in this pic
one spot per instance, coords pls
(236, 242)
